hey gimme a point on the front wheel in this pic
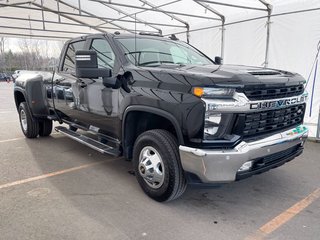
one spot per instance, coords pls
(29, 125)
(157, 165)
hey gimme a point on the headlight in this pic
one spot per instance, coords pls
(213, 92)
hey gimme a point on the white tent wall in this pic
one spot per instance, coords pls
(245, 43)
(293, 45)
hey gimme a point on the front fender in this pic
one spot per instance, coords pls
(156, 111)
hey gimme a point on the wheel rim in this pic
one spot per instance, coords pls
(23, 119)
(151, 167)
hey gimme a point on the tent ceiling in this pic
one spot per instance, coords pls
(64, 19)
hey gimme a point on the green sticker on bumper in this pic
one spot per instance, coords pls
(297, 130)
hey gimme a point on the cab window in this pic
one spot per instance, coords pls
(106, 56)
(70, 57)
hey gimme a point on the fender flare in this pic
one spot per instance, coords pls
(33, 92)
(155, 111)
(22, 91)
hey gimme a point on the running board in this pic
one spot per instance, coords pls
(94, 144)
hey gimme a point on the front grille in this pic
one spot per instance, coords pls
(258, 123)
(273, 92)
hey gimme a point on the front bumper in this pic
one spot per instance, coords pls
(220, 166)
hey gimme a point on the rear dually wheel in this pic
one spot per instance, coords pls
(29, 125)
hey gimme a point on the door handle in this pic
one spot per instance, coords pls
(57, 81)
(82, 84)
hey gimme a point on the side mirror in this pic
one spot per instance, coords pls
(218, 60)
(87, 66)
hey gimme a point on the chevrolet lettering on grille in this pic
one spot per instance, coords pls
(279, 103)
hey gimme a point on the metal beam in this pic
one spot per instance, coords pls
(155, 10)
(163, 11)
(170, 15)
(79, 6)
(92, 15)
(36, 35)
(42, 14)
(65, 16)
(61, 23)
(40, 29)
(142, 11)
(106, 19)
(249, 20)
(58, 8)
(223, 20)
(15, 4)
(136, 19)
(268, 24)
(233, 5)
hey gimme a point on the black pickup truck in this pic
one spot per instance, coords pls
(181, 117)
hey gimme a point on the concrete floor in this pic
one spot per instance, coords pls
(104, 201)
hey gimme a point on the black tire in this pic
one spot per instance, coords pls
(174, 183)
(29, 125)
(45, 127)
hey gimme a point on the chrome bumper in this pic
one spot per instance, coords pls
(218, 166)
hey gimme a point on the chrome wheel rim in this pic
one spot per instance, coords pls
(151, 167)
(23, 120)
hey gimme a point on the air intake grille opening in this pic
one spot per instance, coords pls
(265, 122)
(264, 73)
(273, 92)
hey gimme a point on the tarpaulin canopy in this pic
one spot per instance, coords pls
(275, 33)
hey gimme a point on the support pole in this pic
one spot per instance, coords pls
(223, 20)
(172, 16)
(142, 11)
(223, 29)
(188, 32)
(266, 59)
(79, 6)
(318, 127)
(42, 13)
(268, 24)
(133, 17)
(58, 9)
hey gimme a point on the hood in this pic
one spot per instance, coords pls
(216, 75)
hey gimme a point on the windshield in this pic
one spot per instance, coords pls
(154, 52)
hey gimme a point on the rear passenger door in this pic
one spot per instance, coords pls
(66, 88)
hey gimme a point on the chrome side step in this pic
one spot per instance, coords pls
(94, 144)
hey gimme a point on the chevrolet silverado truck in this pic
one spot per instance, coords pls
(181, 117)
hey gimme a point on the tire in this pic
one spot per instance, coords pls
(157, 165)
(29, 125)
(45, 127)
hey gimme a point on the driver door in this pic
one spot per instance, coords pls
(101, 110)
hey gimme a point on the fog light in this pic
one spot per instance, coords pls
(245, 167)
(211, 125)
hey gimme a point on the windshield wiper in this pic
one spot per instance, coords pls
(159, 63)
